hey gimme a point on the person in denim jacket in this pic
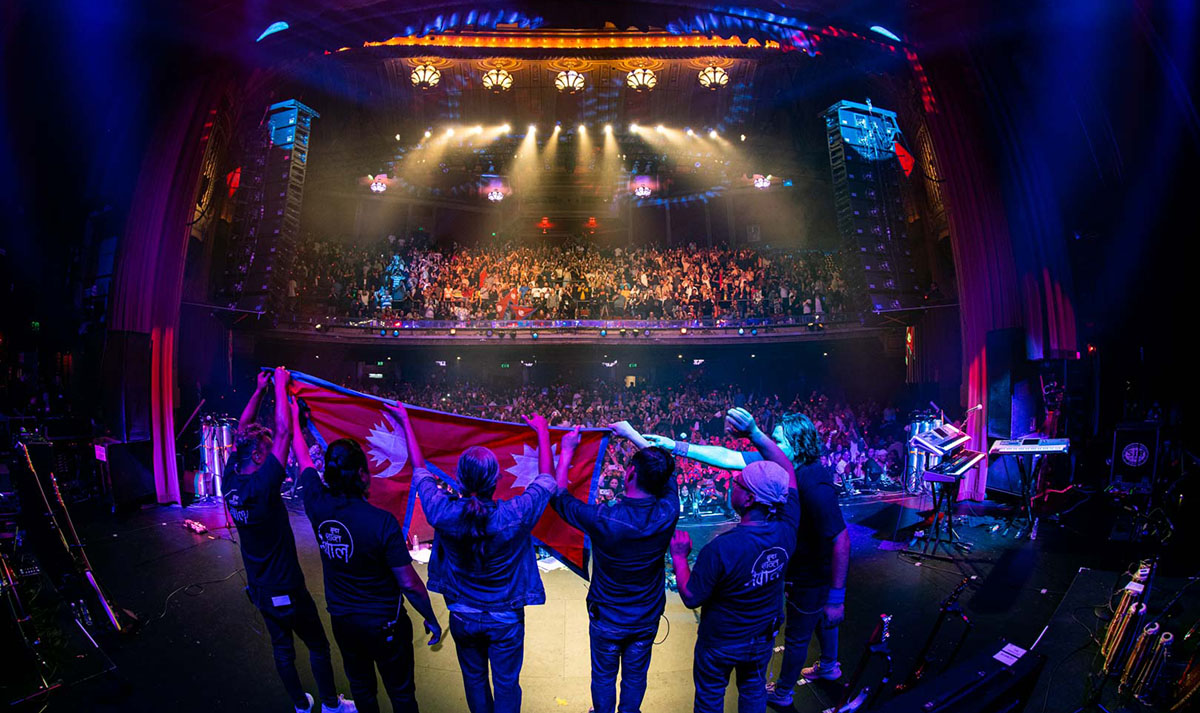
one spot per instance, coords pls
(484, 565)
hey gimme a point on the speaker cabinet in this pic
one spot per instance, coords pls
(1134, 457)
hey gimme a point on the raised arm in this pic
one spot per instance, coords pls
(566, 452)
(281, 439)
(626, 431)
(719, 456)
(299, 445)
(739, 422)
(681, 547)
(545, 456)
(414, 448)
(251, 411)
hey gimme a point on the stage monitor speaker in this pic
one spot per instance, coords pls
(131, 469)
(1013, 391)
(998, 680)
(125, 370)
(1134, 457)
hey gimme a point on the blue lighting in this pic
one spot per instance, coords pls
(885, 32)
(272, 29)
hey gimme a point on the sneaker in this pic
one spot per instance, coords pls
(343, 706)
(827, 671)
(307, 708)
(777, 698)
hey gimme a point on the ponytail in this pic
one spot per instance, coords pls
(478, 471)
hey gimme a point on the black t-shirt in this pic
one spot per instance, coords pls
(360, 544)
(738, 578)
(629, 540)
(820, 522)
(264, 533)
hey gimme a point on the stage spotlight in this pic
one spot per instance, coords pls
(512, 334)
(477, 130)
(742, 137)
(741, 330)
(318, 327)
(532, 128)
(450, 132)
(534, 335)
(608, 128)
(754, 332)
(683, 330)
(691, 133)
(490, 333)
(582, 129)
(604, 332)
(645, 332)
(453, 331)
(660, 128)
(383, 332)
(506, 128)
(713, 134)
(633, 128)
(397, 137)
(428, 133)
(395, 332)
(623, 333)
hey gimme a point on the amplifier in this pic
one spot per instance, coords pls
(998, 680)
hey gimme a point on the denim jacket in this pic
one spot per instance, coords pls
(508, 576)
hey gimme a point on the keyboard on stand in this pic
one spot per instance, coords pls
(941, 440)
(1030, 446)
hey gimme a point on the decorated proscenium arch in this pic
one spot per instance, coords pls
(336, 412)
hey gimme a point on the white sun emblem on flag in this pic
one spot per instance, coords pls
(387, 450)
(526, 468)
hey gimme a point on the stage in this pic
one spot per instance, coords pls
(214, 634)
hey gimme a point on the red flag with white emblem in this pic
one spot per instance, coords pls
(336, 412)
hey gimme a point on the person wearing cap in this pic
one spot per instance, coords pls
(816, 576)
(738, 580)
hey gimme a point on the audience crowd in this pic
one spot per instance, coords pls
(412, 279)
(863, 442)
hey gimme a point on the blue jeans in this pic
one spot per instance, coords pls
(712, 665)
(482, 640)
(628, 650)
(805, 613)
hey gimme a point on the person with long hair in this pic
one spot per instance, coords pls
(484, 565)
(274, 580)
(628, 589)
(368, 574)
(816, 576)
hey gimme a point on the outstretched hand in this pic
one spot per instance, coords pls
(264, 378)
(660, 441)
(400, 412)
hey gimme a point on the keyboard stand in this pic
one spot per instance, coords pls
(944, 537)
(1024, 513)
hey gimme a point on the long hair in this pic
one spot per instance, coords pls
(478, 471)
(344, 465)
(801, 434)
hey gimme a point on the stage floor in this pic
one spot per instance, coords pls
(204, 649)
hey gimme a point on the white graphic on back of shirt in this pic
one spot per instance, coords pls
(234, 501)
(768, 567)
(526, 469)
(387, 449)
(335, 541)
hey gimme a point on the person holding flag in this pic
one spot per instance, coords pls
(483, 563)
(628, 589)
(368, 574)
(274, 580)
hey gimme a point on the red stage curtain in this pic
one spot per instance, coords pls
(149, 279)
